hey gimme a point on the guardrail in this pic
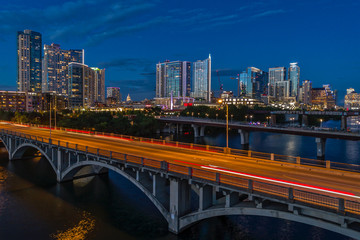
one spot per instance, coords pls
(251, 155)
(295, 194)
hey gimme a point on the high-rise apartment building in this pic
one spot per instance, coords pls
(294, 80)
(322, 98)
(201, 84)
(86, 85)
(278, 87)
(98, 85)
(55, 67)
(352, 100)
(306, 92)
(29, 54)
(255, 81)
(173, 79)
(113, 96)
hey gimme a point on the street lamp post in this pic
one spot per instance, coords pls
(251, 116)
(321, 123)
(227, 124)
(50, 119)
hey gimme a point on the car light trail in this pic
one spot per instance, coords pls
(347, 194)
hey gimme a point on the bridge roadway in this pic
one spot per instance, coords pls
(260, 128)
(323, 178)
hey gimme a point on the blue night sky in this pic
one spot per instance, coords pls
(128, 37)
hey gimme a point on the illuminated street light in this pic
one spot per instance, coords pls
(321, 123)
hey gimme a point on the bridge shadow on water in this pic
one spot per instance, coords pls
(118, 209)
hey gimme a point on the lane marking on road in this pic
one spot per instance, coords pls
(337, 192)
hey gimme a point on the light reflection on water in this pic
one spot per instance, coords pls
(78, 232)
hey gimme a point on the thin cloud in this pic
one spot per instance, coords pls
(268, 13)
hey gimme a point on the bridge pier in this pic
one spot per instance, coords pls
(180, 193)
(305, 120)
(273, 119)
(205, 197)
(244, 137)
(320, 148)
(202, 131)
(343, 123)
(196, 130)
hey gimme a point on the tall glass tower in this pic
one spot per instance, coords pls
(255, 81)
(55, 67)
(202, 79)
(173, 79)
(29, 54)
(294, 78)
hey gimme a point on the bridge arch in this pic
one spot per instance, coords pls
(70, 171)
(193, 218)
(6, 146)
(21, 149)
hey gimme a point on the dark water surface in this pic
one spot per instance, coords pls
(34, 206)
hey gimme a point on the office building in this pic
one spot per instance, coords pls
(98, 85)
(352, 100)
(255, 81)
(201, 85)
(350, 90)
(322, 98)
(29, 54)
(113, 96)
(55, 67)
(173, 79)
(278, 86)
(306, 92)
(294, 80)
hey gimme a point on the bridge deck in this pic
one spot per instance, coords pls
(261, 128)
(323, 178)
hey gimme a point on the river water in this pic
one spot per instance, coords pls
(34, 206)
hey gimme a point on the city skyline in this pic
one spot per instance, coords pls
(211, 28)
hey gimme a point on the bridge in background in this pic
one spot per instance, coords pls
(170, 175)
(244, 129)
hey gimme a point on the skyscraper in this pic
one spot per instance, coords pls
(173, 79)
(55, 67)
(306, 88)
(78, 77)
(98, 85)
(255, 81)
(29, 54)
(294, 78)
(202, 79)
(113, 94)
(278, 87)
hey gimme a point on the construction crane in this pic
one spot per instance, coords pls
(220, 84)
(239, 85)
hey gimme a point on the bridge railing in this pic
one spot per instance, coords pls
(252, 185)
(253, 155)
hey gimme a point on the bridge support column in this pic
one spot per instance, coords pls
(179, 202)
(305, 120)
(343, 123)
(196, 130)
(231, 199)
(205, 197)
(170, 127)
(320, 148)
(11, 146)
(202, 131)
(273, 119)
(159, 185)
(59, 165)
(244, 136)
